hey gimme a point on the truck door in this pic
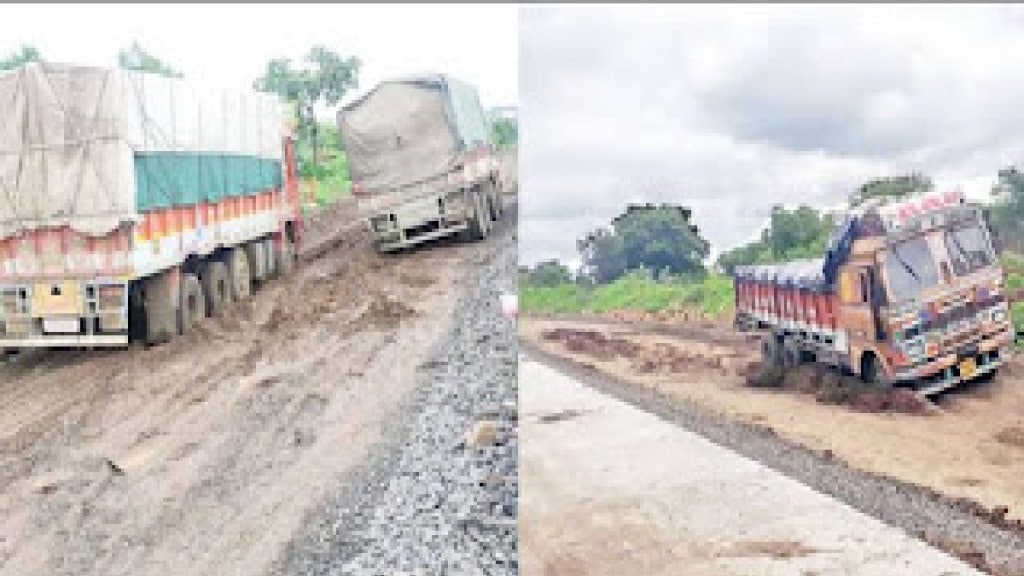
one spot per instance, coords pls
(861, 298)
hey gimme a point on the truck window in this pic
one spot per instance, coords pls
(865, 287)
(909, 269)
(968, 248)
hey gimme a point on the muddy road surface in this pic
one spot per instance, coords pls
(205, 455)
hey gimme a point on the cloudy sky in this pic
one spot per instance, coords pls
(229, 45)
(729, 109)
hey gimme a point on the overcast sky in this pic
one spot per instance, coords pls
(230, 45)
(729, 109)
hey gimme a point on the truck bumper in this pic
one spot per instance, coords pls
(67, 341)
(952, 370)
(419, 221)
(64, 313)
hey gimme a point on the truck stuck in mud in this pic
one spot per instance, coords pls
(907, 293)
(421, 160)
(134, 204)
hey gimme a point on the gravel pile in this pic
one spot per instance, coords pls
(440, 497)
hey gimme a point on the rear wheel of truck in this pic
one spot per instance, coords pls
(286, 256)
(478, 225)
(216, 287)
(193, 303)
(771, 352)
(241, 278)
(790, 355)
(157, 307)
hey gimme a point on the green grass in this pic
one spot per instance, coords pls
(712, 295)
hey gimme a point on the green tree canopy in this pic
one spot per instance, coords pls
(505, 132)
(323, 77)
(137, 59)
(891, 187)
(549, 273)
(657, 238)
(1006, 215)
(22, 55)
(791, 235)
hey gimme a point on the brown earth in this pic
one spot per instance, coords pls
(202, 456)
(969, 444)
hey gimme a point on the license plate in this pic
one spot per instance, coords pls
(967, 368)
(61, 325)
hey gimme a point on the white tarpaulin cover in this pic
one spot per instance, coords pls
(71, 138)
(410, 130)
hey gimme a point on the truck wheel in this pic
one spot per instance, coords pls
(771, 352)
(241, 279)
(216, 287)
(492, 205)
(790, 354)
(193, 303)
(870, 370)
(158, 308)
(478, 225)
(286, 257)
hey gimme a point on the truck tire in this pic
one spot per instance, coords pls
(478, 224)
(241, 278)
(160, 315)
(193, 303)
(870, 370)
(771, 352)
(216, 287)
(790, 355)
(493, 202)
(286, 259)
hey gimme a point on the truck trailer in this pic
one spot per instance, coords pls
(908, 293)
(421, 161)
(132, 204)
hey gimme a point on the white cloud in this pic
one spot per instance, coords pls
(729, 109)
(229, 44)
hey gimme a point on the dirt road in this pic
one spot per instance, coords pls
(950, 473)
(202, 456)
(610, 489)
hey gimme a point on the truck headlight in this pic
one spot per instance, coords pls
(999, 315)
(914, 348)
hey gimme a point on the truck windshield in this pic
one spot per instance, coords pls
(968, 247)
(910, 268)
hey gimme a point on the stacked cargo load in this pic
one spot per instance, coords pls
(414, 146)
(108, 176)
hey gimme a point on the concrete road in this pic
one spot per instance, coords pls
(607, 489)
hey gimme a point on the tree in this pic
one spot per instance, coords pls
(890, 187)
(791, 235)
(325, 77)
(505, 132)
(1006, 215)
(137, 59)
(603, 256)
(657, 238)
(23, 55)
(550, 273)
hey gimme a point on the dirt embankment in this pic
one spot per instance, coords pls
(201, 456)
